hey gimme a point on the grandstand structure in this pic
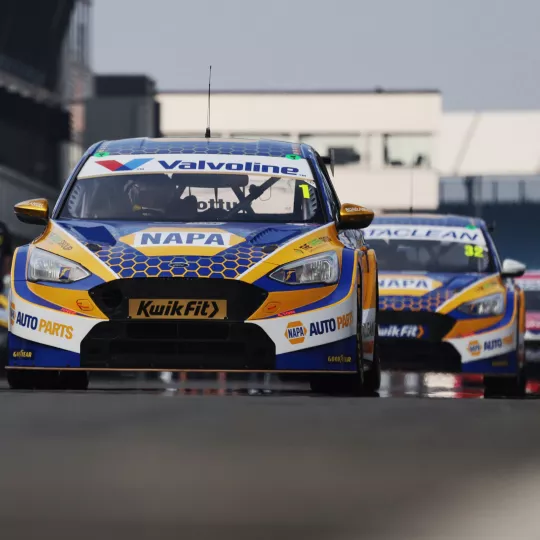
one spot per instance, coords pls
(45, 77)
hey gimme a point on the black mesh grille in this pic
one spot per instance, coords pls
(243, 299)
(435, 324)
(416, 355)
(189, 345)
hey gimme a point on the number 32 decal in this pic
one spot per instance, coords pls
(474, 251)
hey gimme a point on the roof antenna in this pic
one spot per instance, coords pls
(207, 133)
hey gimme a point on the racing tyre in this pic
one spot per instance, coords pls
(19, 379)
(27, 379)
(506, 386)
(372, 378)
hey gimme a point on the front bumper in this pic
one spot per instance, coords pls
(321, 339)
(416, 341)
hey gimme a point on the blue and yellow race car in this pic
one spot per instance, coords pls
(446, 301)
(4, 317)
(195, 255)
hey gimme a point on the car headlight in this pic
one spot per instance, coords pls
(484, 307)
(322, 268)
(45, 266)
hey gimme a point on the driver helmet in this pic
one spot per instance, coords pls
(152, 193)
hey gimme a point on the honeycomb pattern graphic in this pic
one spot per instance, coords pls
(127, 262)
(212, 146)
(428, 302)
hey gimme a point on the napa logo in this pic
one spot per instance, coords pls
(296, 332)
(181, 238)
(407, 284)
(474, 348)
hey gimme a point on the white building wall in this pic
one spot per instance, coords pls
(302, 113)
(501, 143)
(407, 123)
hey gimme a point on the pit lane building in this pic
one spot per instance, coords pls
(44, 73)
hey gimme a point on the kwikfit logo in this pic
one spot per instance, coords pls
(180, 309)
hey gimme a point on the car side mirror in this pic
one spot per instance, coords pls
(352, 216)
(512, 269)
(34, 211)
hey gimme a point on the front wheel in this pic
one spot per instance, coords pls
(30, 379)
(73, 380)
(19, 379)
(349, 383)
(372, 377)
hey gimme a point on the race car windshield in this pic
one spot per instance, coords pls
(431, 256)
(185, 197)
(430, 248)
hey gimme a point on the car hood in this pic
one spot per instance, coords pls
(222, 250)
(425, 291)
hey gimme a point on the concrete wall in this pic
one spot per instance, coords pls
(301, 112)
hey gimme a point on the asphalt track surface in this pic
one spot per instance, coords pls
(259, 459)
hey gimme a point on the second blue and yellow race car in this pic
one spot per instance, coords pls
(447, 303)
(206, 254)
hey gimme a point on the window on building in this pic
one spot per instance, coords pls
(531, 188)
(403, 150)
(452, 190)
(349, 149)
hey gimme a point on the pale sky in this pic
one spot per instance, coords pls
(482, 54)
